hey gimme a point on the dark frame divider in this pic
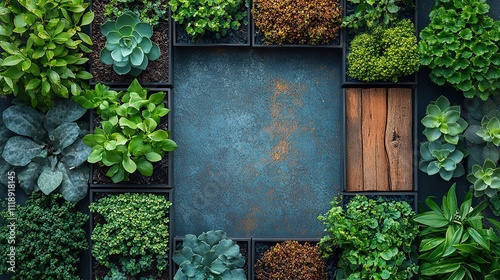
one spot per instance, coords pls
(169, 192)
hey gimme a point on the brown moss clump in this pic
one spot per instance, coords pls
(310, 22)
(291, 260)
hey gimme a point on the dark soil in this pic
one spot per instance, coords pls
(156, 72)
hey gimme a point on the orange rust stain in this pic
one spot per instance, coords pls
(270, 192)
(280, 150)
(249, 223)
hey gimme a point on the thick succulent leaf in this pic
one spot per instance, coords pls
(183, 255)
(143, 65)
(217, 267)
(228, 248)
(470, 134)
(146, 45)
(432, 111)
(135, 71)
(432, 134)
(23, 120)
(107, 27)
(144, 29)
(116, 55)
(19, 151)
(442, 102)
(127, 18)
(122, 70)
(145, 167)
(64, 135)
(113, 38)
(212, 237)
(154, 53)
(49, 180)
(65, 110)
(137, 57)
(234, 274)
(105, 57)
(446, 175)
(126, 30)
(76, 154)
(75, 182)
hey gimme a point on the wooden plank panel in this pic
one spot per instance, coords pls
(398, 139)
(354, 142)
(374, 119)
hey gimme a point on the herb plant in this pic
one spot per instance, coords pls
(46, 150)
(151, 12)
(298, 22)
(214, 18)
(128, 139)
(443, 158)
(43, 49)
(384, 53)
(128, 45)
(461, 47)
(291, 260)
(456, 243)
(211, 255)
(368, 14)
(130, 234)
(49, 236)
(376, 236)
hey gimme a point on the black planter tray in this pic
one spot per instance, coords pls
(96, 194)
(234, 38)
(245, 250)
(148, 182)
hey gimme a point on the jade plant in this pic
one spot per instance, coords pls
(49, 237)
(376, 236)
(46, 150)
(443, 120)
(486, 179)
(456, 241)
(368, 14)
(384, 53)
(298, 22)
(291, 260)
(211, 255)
(151, 12)
(130, 235)
(43, 50)
(128, 44)
(461, 47)
(213, 18)
(443, 158)
(129, 138)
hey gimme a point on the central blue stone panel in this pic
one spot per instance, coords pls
(260, 140)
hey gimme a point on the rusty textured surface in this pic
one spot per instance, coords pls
(259, 136)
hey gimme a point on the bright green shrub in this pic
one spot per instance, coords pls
(384, 53)
(49, 235)
(133, 237)
(43, 49)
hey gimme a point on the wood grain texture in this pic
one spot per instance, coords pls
(354, 140)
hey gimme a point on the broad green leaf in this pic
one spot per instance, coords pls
(49, 180)
(19, 151)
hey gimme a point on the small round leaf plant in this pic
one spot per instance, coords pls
(128, 44)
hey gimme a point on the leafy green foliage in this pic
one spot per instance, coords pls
(43, 49)
(128, 44)
(490, 128)
(443, 120)
(132, 237)
(443, 158)
(461, 47)
(384, 53)
(46, 150)
(290, 260)
(49, 235)
(456, 244)
(369, 14)
(129, 139)
(148, 11)
(209, 16)
(486, 179)
(376, 237)
(209, 256)
(298, 22)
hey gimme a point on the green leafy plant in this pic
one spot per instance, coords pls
(208, 16)
(128, 44)
(495, 204)
(456, 244)
(490, 128)
(443, 120)
(46, 150)
(129, 138)
(43, 50)
(376, 237)
(486, 179)
(148, 11)
(211, 255)
(368, 14)
(461, 47)
(384, 53)
(442, 158)
(291, 260)
(298, 22)
(130, 236)
(49, 236)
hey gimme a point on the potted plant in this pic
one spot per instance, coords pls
(130, 233)
(45, 239)
(297, 23)
(209, 23)
(376, 237)
(152, 62)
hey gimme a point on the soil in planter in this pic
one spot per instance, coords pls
(156, 72)
(160, 168)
